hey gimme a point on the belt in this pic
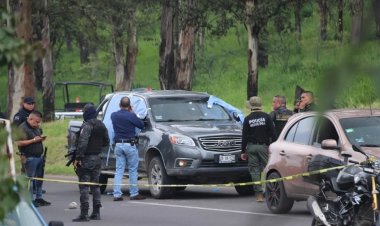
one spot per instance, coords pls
(91, 154)
(130, 141)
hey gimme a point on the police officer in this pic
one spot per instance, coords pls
(28, 105)
(307, 102)
(280, 113)
(93, 137)
(258, 133)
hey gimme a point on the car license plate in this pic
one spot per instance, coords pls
(226, 158)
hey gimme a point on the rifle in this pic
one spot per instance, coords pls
(71, 155)
(72, 147)
(43, 163)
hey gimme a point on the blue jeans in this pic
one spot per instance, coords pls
(33, 168)
(126, 154)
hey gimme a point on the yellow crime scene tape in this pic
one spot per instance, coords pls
(306, 174)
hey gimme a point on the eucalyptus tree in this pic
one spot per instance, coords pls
(323, 18)
(121, 15)
(356, 20)
(21, 81)
(257, 15)
(193, 15)
(339, 33)
(168, 35)
(47, 65)
(297, 18)
(186, 44)
(180, 23)
(376, 9)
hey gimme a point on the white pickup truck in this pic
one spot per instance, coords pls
(71, 97)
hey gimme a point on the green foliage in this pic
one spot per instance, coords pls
(10, 191)
(14, 50)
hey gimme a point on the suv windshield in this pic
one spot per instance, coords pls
(364, 131)
(185, 109)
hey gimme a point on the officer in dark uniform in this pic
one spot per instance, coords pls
(28, 105)
(258, 133)
(307, 102)
(93, 137)
(280, 113)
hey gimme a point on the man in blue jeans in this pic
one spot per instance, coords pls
(124, 124)
(32, 148)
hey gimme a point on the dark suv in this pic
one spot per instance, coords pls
(189, 137)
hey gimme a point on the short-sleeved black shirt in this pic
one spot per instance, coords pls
(35, 149)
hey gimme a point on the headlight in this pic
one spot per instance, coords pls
(181, 140)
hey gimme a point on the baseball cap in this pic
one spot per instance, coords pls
(254, 102)
(29, 100)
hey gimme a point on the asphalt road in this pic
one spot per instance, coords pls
(193, 206)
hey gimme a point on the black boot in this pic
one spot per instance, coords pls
(83, 216)
(95, 215)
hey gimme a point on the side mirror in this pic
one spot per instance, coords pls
(346, 155)
(236, 116)
(330, 144)
(146, 122)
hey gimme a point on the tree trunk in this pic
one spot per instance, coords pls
(186, 53)
(339, 33)
(47, 63)
(118, 52)
(167, 47)
(84, 51)
(297, 18)
(253, 31)
(376, 7)
(38, 73)
(37, 23)
(20, 78)
(356, 20)
(132, 49)
(323, 14)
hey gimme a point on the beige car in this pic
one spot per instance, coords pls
(308, 134)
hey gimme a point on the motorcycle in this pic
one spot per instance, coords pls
(348, 196)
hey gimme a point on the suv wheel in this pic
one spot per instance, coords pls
(103, 179)
(157, 176)
(275, 195)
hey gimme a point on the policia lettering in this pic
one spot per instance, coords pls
(258, 133)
